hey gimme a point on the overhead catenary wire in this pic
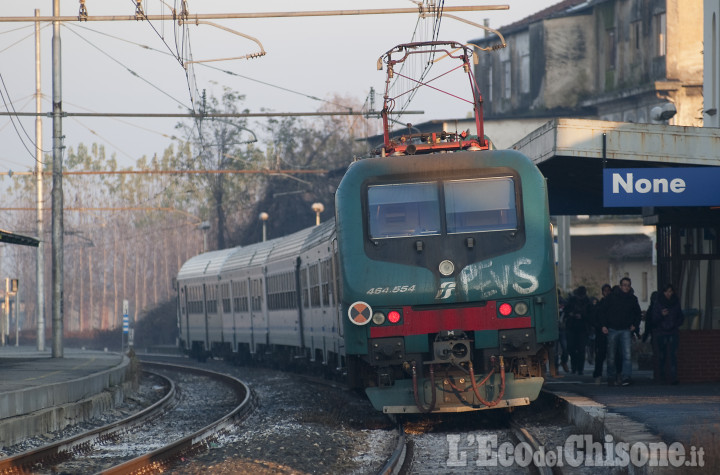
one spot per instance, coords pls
(7, 102)
(435, 32)
(31, 35)
(130, 70)
(183, 49)
(213, 67)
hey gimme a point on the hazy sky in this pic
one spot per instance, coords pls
(127, 66)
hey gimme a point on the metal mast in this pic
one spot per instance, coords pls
(57, 193)
(40, 269)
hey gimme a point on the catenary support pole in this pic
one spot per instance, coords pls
(57, 193)
(40, 263)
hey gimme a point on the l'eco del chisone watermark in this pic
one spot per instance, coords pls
(578, 450)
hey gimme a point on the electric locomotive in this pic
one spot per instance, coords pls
(447, 265)
(433, 289)
(448, 279)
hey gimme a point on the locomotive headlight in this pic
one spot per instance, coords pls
(378, 318)
(521, 308)
(446, 267)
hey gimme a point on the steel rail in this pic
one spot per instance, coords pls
(397, 458)
(523, 435)
(158, 460)
(64, 449)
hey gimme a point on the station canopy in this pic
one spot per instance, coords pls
(574, 153)
(11, 238)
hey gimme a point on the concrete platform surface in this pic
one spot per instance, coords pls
(647, 412)
(39, 393)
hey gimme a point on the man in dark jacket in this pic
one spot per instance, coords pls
(577, 321)
(666, 318)
(620, 318)
(600, 337)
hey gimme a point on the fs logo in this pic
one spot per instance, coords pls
(445, 291)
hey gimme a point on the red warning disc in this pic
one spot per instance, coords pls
(360, 313)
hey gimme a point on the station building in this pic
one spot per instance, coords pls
(625, 86)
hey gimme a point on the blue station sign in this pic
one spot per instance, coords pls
(635, 187)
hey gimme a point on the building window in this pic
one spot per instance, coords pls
(636, 32)
(489, 84)
(525, 73)
(611, 49)
(507, 80)
(661, 34)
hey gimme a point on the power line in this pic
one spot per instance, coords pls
(193, 115)
(14, 113)
(128, 69)
(176, 172)
(190, 19)
(209, 66)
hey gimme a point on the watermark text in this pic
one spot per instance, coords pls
(578, 450)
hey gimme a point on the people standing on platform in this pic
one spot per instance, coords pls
(577, 318)
(592, 324)
(667, 317)
(561, 352)
(600, 337)
(619, 321)
(648, 334)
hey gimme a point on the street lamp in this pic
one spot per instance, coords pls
(264, 217)
(204, 226)
(318, 208)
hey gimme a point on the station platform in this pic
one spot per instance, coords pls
(39, 393)
(644, 413)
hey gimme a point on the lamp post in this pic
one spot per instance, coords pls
(264, 217)
(204, 227)
(318, 208)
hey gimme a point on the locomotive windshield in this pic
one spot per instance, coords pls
(401, 210)
(478, 205)
(414, 209)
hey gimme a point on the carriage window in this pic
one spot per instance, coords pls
(256, 295)
(401, 210)
(211, 300)
(225, 291)
(484, 204)
(240, 296)
(314, 285)
(195, 300)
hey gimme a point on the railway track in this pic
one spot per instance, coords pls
(529, 440)
(299, 427)
(310, 425)
(182, 423)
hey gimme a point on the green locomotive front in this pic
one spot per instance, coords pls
(448, 282)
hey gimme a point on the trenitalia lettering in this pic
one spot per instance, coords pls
(637, 187)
